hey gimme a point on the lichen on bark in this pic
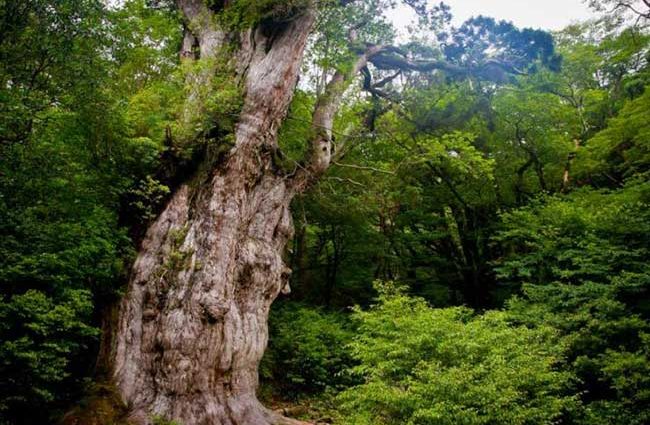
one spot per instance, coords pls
(192, 325)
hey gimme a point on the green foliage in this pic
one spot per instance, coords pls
(518, 47)
(42, 336)
(81, 134)
(307, 352)
(146, 197)
(447, 366)
(296, 128)
(194, 109)
(607, 344)
(45, 47)
(468, 187)
(60, 251)
(592, 283)
(456, 154)
(241, 14)
(622, 150)
(576, 238)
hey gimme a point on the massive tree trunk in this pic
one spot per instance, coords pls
(192, 325)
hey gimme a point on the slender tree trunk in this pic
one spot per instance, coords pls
(192, 324)
(566, 175)
(300, 262)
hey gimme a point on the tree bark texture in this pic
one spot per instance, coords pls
(192, 324)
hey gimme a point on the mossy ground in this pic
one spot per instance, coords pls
(102, 406)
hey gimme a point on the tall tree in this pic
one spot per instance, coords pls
(192, 325)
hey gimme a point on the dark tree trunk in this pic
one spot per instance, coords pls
(192, 324)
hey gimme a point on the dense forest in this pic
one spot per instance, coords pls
(454, 219)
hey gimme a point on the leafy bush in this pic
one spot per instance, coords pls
(73, 146)
(449, 366)
(41, 337)
(589, 278)
(607, 346)
(307, 351)
(576, 238)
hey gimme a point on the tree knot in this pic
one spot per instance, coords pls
(215, 310)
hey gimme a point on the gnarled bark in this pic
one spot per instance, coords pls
(192, 325)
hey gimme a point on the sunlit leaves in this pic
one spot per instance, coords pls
(448, 366)
(622, 150)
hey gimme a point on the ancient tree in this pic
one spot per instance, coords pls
(192, 324)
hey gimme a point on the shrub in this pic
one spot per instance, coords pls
(450, 366)
(307, 351)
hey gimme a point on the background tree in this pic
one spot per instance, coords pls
(71, 154)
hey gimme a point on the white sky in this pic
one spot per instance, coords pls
(545, 14)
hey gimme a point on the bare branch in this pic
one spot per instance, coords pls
(396, 61)
(364, 168)
(374, 88)
(390, 78)
(346, 180)
(319, 156)
(629, 6)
